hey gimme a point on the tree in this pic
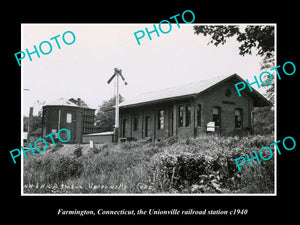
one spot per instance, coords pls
(105, 117)
(268, 63)
(259, 37)
(251, 37)
(35, 123)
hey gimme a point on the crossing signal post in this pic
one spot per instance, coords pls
(117, 73)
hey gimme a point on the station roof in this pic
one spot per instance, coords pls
(190, 90)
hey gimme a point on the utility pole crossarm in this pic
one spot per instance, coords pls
(110, 79)
(116, 74)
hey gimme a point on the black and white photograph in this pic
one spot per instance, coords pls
(145, 109)
(165, 114)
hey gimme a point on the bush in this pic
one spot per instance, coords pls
(182, 169)
(206, 164)
(51, 168)
(57, 147)
(78, 152)
(168, 141)
(128, 145)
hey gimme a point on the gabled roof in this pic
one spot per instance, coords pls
(191, 90)
(61, 102)
(78, 102)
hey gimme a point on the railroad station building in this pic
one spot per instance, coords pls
(190, 110)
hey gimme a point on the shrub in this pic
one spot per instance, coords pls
(168, 141)
(128, 145)
(78, 151)
(206, 164)
(181, 169)
(57, 147)
(95, 150)
(64, 167)
(51, 168)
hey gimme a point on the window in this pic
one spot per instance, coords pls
(69, 118)
(238, 118)
(180, 118)
(227, 93)
(187, 115)
(217, 116)
(135, 122)
(147, 126)
(198, 114)
(160, 119)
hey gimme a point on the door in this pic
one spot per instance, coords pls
(124, 128)
(68, 119)
(147, 126)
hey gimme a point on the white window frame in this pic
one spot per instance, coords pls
(69, 118)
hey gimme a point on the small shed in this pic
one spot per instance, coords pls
(68, 114)
(103, 137)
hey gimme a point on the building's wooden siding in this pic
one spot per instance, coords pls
(100, 138)
(88, 119)
(52, 121)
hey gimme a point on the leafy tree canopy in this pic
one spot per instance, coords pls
(35, 123)
(259, 37)
(105, 117)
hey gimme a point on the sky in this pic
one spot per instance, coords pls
(81, 70)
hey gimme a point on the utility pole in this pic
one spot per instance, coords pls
(29, 119)
(117, 109)
(117, 73)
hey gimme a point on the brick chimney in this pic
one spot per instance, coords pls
(79, 101)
